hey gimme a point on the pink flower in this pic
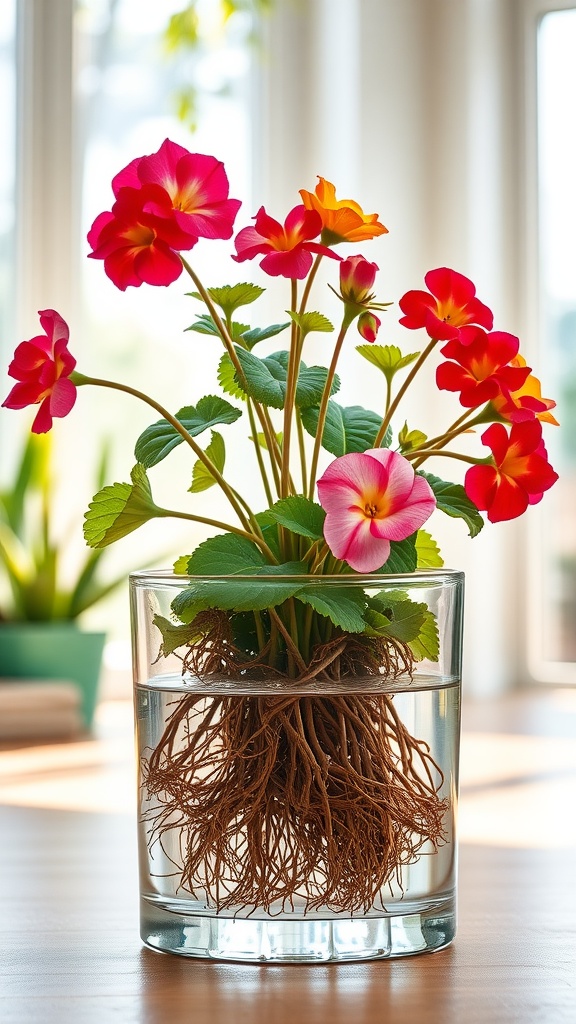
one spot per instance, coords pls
(287, 249)
(449, 304)
(43, 366)
(368, 325)
(194, 190)
(519, 475)
(137, 246)
(372, 498)
(357, 278)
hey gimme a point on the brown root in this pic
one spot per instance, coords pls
(317, 798)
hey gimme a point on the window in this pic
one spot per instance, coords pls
(553, 585)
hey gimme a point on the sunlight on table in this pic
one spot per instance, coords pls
(516, 789)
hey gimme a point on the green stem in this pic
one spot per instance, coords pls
(421, 457)
(291, 381)
(80, 379)
(324, 403)
(302, 448)
(258, 450)
(309, 283)
(226, 337)
(392, 408)
(166, 513)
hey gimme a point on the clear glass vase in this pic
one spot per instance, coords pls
(298, 779)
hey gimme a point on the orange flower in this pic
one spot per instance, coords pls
(527, 402)
(342, 219)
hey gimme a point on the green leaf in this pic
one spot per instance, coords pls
(344, 606)
(180, 566)
(410, 440)
(158, 440)
(252, 337)
(427, 551)
(227, 378)
(388, 358)
(237, 594)
(230, 297)
(299, 515)
(311, 321)
(347, 429)
(224, 554)
(266, 380)
(175, 635)
(403, 556)
(119, 509)
(202, 478)
(427, 643)
(206, 325)
(263, 441)
(392, 613)
(453, 500)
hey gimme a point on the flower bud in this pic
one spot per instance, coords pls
(357, 277)
(368, 325)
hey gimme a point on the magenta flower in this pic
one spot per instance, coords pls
(194, 190)
(372, 498)
(42, 367)
(287, 249)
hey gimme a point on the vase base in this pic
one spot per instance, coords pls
(298, 941)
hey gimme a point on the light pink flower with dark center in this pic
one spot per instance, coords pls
(372, 498)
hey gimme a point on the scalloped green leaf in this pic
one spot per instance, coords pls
(158, 440)
(427, 551)
(266, 380)
(392, 613)
(240, 594)
(202, 478)
(206, 325)
(388, 358)
(299, 515)
(227, 378)
(403, 556)
(175, 635)
(230, 296)
(251, 337)
(453, 500)
(347, 428)
(119, 509)
(344, 606)
(225, 554)
(311, 321)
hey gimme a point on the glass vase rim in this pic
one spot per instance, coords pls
(429, 576)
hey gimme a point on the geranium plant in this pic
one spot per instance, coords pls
(344, 489)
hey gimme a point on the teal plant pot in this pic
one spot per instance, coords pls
(53, 650)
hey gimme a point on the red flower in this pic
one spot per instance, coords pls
(368, 325)
(527, 402)
(287, 249)
(43, 366)
(480, 370)
(194, 191)
(136, 245)
(520, 474)
(448, 306)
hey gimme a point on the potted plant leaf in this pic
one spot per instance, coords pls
(39, 609)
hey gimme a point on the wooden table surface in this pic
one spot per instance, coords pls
(69, 946)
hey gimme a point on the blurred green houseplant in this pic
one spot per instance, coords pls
(31, 554)
(40, 603)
